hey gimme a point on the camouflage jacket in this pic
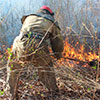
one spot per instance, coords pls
(42, 22)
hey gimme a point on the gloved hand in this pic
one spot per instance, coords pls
(58, 55)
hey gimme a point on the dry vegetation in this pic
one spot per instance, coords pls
(77, 79)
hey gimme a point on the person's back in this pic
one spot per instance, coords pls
(36, 24)
(31, 44)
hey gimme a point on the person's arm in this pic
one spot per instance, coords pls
(56, 41)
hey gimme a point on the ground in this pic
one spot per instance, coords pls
(75, 83)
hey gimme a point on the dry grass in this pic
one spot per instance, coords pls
(75, 83)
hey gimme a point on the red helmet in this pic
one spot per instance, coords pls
(48, 9)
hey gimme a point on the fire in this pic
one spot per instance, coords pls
(71, 52)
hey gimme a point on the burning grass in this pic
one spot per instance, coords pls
(77, 55)
(75, 82)
(69, 51)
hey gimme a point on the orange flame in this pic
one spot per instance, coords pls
(79, 54)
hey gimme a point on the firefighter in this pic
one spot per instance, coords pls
(38, 30)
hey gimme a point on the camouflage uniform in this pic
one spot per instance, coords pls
(34, 28)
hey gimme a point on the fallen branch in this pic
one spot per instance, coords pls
(77, 60)
(91, 63)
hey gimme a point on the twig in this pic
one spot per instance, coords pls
(47, 32)
(77, 60)
(97, 75)
(3, 68)
(34, 52)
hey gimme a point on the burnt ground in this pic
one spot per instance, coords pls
(75, 83)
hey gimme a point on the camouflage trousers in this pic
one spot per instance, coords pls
(25, 50)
